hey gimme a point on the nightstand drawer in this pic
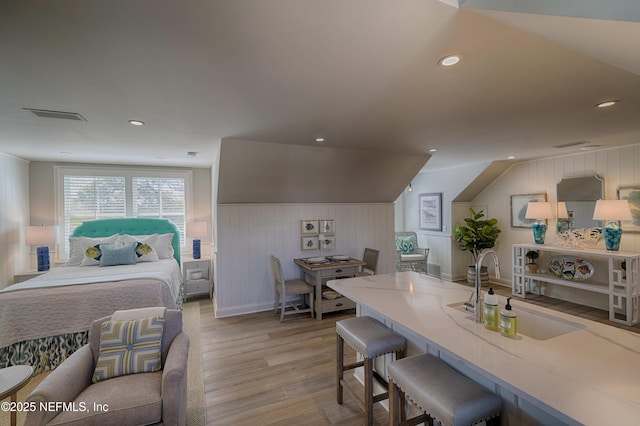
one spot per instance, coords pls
(196, 287)
(332, 305)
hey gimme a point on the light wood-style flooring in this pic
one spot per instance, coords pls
(260, 371)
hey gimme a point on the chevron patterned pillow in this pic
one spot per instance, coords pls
(129, 347)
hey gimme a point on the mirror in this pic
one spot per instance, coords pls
(576, 201)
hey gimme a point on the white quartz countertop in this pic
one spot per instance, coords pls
(589, 373)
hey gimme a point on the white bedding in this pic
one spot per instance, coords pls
(165, 270)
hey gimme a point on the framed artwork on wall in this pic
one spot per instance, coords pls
(631, 194)
(309, 227)
(327, 242)
(309, 243)
(327, 226)
(519, 209)
(431, 211)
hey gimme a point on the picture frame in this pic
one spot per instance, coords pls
(519, 209)
(309, 227)
(327, 226)
(430, 214)
(309, 243)
(631, 194)
(327, 242)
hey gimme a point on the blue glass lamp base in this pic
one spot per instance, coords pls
(612, 234)
(539, 231)
(42, 254)
(196, 249)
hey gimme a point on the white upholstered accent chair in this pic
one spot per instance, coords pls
(371, 258)
(410, 257)
(284, 287)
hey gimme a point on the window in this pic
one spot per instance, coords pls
(100, 193)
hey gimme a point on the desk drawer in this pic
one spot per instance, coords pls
(339, 304)
(348, 271)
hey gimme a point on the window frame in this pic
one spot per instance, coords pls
(128, 173)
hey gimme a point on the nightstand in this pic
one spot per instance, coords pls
(18, 278)
(196, 275)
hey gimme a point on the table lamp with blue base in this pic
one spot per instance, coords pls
(539, 210)
(42, 236)
(612, 211)
(196, 230)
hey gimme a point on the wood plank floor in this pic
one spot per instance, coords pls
(258, 370)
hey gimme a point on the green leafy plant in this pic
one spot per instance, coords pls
(478, 234)
(532, 255)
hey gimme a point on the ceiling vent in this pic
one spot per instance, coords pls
(569, 144)
(57, 114)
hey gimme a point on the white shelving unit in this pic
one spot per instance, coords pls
(622, 285)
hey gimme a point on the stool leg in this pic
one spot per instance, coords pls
(394, 404)
(368, 390)
(340, 367)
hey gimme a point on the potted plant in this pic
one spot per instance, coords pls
(478, 234)
(532, 255)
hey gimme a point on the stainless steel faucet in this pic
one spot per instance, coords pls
(477, 310)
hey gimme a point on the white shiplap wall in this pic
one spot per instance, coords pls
(14, 217)
(249, 233)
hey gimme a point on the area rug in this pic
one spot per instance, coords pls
(195, 379)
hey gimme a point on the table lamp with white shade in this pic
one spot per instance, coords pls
(539, 210)
(612, 210)
(42, 236)
(196, 230)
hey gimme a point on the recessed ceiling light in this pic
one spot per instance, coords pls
(450, 60)
(65, 152)
(433, 149)
(192, 153)
(511, 157)
(606, 104)
(136, 122)
(319, 139)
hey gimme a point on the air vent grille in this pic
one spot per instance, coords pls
(57, 114)
(569, 144)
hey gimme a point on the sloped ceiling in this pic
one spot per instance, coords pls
(257, 172)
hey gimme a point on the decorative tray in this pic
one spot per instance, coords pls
(571, 268)
(340, 257)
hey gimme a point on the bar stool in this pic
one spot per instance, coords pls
(441, 392)
(370, 338)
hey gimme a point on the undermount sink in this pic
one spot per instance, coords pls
(534, 324)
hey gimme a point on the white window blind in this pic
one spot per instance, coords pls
(112, 193)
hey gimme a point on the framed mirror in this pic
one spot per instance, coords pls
(576, 201)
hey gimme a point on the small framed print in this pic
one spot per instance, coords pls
(309, 227)
(327, 242)
(327, 226)
(431, 211)
(632, 194)
(309, 243)
(519, 209)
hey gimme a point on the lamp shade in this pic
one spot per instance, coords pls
(539, 210)
(612, 210)
(196, 229)
(41, 235)
(562, 210)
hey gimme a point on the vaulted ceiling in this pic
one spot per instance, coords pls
(363, 74)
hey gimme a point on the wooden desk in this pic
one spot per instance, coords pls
(12, 379)
(318, 274)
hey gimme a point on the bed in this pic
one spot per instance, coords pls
(47, 318)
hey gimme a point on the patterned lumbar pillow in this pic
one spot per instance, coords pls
(129, 347)
(112, 256)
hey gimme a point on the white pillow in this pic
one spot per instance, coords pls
(160, 243)
(78, 245)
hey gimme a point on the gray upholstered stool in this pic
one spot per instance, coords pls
(441, 392)
(370, 338)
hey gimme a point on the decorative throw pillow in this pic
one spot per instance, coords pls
(405, 245)
(92, 255)
(145, 253)
(78, 246)
(160, 243)
(129, 347)
(112, 256)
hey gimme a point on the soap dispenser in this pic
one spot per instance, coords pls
(508, 321)
(490, 310)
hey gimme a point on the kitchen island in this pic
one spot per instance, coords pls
(560, 369)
